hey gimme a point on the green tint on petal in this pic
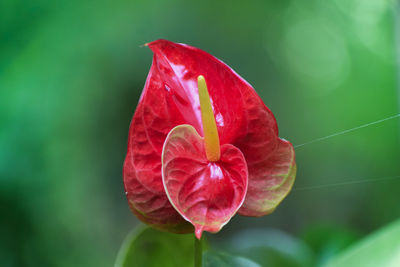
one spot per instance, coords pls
(271, 180)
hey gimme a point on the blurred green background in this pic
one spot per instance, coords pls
(71, 73)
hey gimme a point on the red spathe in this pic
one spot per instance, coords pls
(170, 98)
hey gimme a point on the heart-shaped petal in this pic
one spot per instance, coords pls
(272, 179)
(205, 193)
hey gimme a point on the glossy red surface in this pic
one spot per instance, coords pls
(205, 193)
(170, 98)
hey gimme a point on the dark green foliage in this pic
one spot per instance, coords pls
(152, 248)
(71, 73)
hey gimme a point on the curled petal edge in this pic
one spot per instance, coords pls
(272, 182)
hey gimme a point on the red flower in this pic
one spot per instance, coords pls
(173, 175)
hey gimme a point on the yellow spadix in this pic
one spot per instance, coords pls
(211, 138)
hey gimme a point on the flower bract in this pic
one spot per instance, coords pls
(202, 146)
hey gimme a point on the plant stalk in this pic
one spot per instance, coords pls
(198, 252)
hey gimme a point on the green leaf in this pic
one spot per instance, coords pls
(381, 248)
(147, 247)
(216, 259)
(270, 248)
(327, 241)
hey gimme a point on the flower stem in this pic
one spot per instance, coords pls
(198, 252)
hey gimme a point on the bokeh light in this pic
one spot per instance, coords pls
(71, 73)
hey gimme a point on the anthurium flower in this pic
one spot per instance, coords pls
(202, 146)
